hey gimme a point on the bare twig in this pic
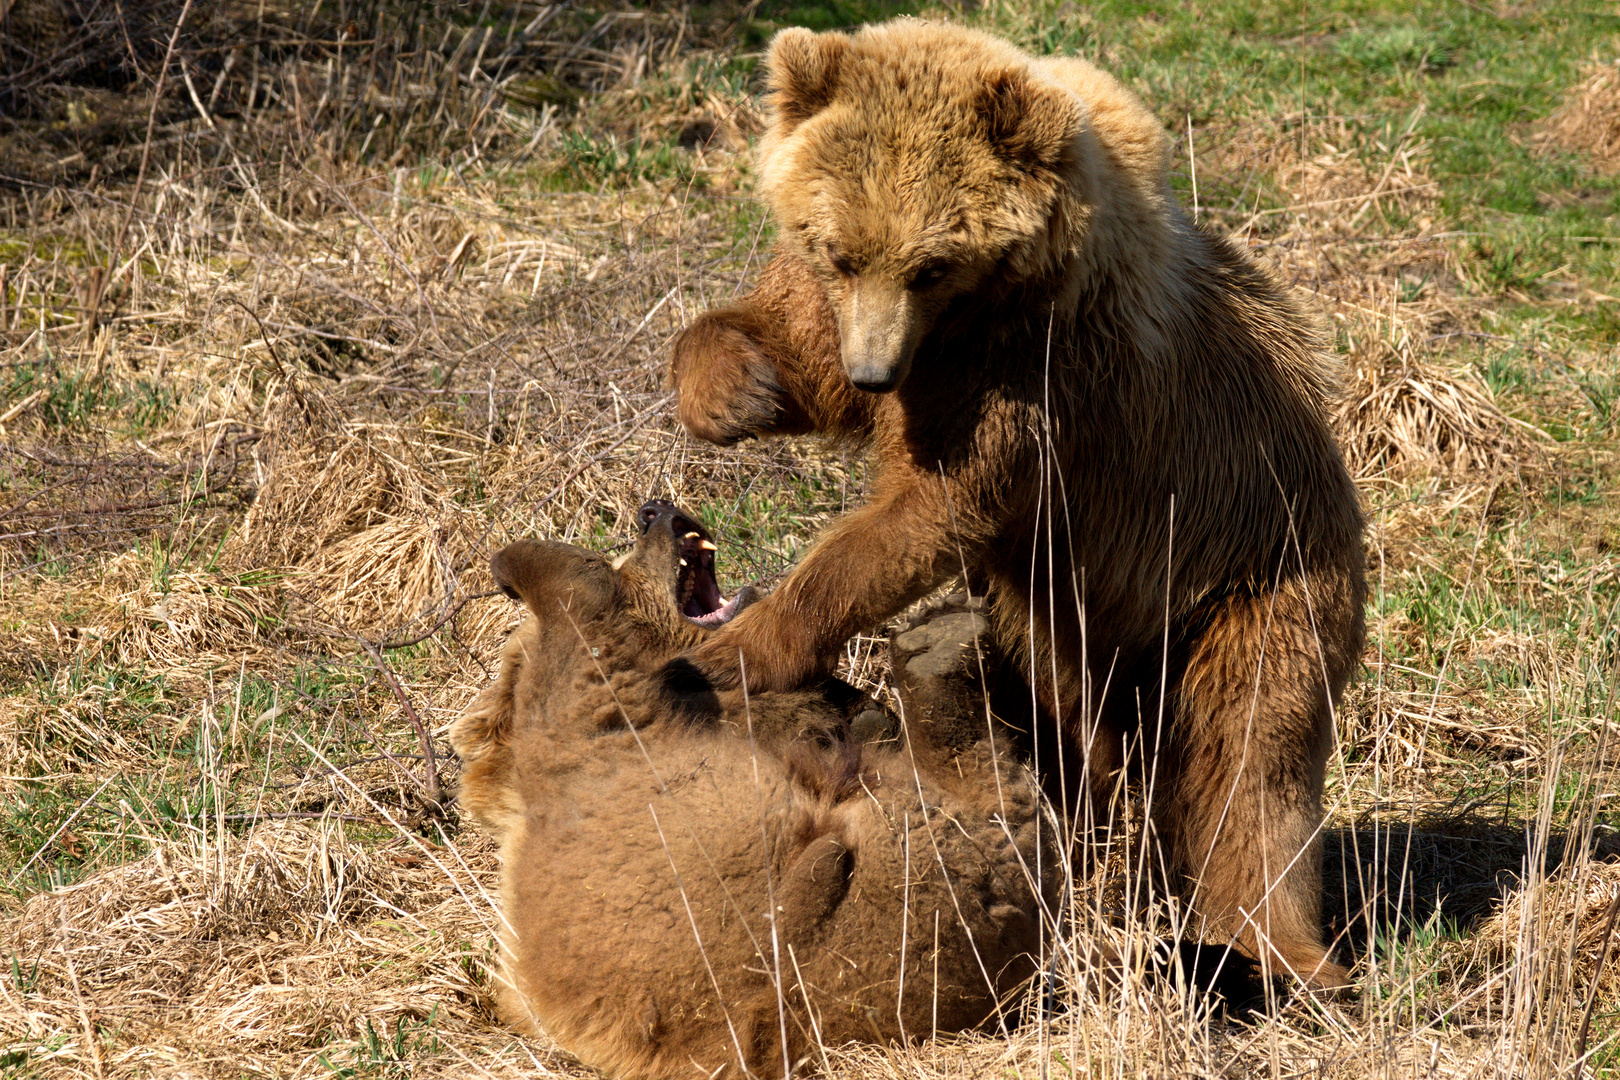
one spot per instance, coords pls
(146, 147)
(446, 617)
(430, 760)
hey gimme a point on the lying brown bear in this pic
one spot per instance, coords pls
(720, 888)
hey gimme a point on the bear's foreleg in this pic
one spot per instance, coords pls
(871, 563)
(768, 364)
(1240, 800)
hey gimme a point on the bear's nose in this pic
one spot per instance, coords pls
(873, 379)
(679, 521)
(652, 510)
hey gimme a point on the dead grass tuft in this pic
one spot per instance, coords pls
(366, 530)
(1282, 173)
(1588, 122)
(1402, 725)
(188, 618)
(1565, 927)
(264, 954)
(1401, 416)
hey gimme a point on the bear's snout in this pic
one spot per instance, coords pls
(879, 326)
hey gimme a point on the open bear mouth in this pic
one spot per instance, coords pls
(697, 590)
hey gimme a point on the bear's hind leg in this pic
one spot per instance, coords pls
(1242, 773)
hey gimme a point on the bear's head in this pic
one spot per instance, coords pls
(595, 618)
(656, 599)
(913, 164)
(595, 621)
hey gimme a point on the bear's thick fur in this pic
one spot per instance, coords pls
(1105, 415)
(683, 890)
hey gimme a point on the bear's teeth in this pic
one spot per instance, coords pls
(706, 545)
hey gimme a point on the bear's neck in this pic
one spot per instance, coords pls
(1104, 276)
(1122, 245)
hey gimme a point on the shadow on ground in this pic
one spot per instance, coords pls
(1390, 882)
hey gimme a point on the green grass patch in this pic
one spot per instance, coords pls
(770, 17)
(83, 399)
(1466, 81)
(605, 162)
(381, 1052)
(121, 758)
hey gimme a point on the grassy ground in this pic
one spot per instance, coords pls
(305, 311)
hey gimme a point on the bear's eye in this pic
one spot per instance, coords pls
(931, 273)
(840, 262)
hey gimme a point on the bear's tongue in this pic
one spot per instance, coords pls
(722, 614)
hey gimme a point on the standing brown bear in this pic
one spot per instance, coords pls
(1105, 415)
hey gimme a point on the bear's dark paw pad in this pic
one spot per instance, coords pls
(687, 690)
(942, 665)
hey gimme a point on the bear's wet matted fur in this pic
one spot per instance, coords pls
(1106, 416)
(714, 886)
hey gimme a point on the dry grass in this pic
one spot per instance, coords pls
(1312, 171)
(269, 401)
(293, 950)
(1401, 416)
(1588, 123)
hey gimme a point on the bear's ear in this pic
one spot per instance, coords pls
(1031, 125)
(550, 577)
(803, 69)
